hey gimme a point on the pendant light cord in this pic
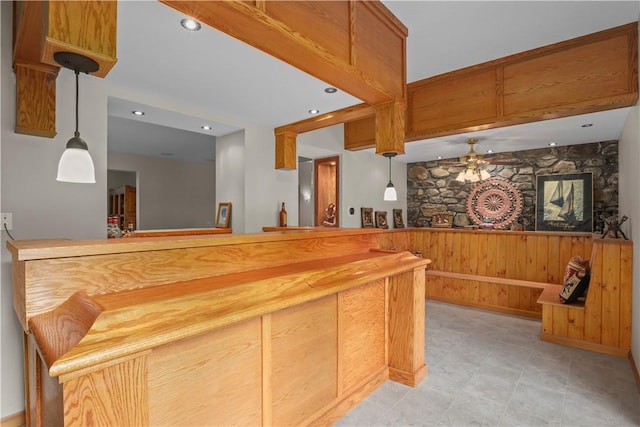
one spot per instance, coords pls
(77, 92)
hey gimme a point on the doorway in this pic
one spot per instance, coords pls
(305, 192)
(327, 208)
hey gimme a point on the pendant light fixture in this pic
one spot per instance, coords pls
(76, 164)
(390, 194)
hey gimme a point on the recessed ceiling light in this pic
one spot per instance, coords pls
(330, 90)
(314, 111)
(190, 24)
(206, 127)
(553, 144)
(587, 125)
(489, 151)
(138, 113)
(439, 157)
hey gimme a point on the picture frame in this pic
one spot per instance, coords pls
(398, 222)
(223, 218)
(367, 217)
(381, 219)
(564, 202)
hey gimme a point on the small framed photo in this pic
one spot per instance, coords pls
(564, 202)
(397, 219)
(381, 219)
(223, 219)
(367, 217)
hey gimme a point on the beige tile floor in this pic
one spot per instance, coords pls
(489, 369)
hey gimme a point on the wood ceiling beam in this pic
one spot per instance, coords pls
(596, 72)
(357, 46)
(286, 157)
(328, 50)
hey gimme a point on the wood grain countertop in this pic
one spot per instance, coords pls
(24, 250)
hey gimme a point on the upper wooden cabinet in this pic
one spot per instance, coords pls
(583, 75)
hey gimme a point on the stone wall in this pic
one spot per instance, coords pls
(432, 187)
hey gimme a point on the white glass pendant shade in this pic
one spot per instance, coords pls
(390, 194)
(76, 164)
(484, 174)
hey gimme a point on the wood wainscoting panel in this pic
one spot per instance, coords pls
(109, 396)
(593, 318)
(304, 360)
(626, 285)
(363, 329)
(231, 361)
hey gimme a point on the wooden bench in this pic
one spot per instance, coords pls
(520, 273)
(499, 294)
(602, 322)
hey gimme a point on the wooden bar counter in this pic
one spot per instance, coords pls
(267, 329)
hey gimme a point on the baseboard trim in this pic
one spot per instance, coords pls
(636, 375)
(14, 420)
(585, 345)
(488, 307)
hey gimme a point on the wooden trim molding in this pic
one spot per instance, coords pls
(16, 420)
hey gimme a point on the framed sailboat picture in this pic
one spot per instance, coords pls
(564, 202)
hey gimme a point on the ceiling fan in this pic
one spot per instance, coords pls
(474, 161)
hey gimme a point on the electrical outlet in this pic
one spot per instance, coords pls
(7, 221)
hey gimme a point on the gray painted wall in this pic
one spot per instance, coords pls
(171, 193)
(42, 207)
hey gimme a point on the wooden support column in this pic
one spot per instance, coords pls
(35, 99)
(286, 150)
(406, 327)
(42, 28)
(390, 127)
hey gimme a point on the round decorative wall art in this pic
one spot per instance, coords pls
(494, 199)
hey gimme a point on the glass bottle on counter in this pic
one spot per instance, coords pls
(283, 216)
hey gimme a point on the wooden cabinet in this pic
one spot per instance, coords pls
(264, 329)
(122, 203)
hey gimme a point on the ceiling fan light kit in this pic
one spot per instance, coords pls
(473, 172)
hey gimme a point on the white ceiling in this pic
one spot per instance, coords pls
(210, 71)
